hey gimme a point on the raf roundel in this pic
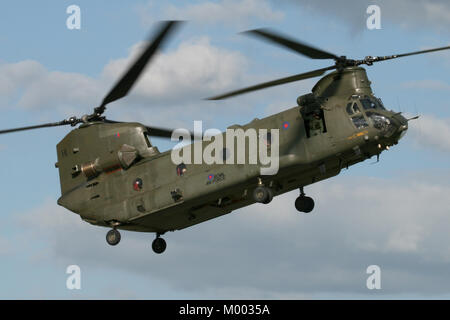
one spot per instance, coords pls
(285, 125)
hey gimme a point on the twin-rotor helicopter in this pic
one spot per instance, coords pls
(112, 176)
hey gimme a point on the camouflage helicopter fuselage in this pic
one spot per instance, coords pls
(111, 175)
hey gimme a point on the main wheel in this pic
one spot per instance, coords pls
(304, 204)
(262, 194)
(270, 197)
(113, 237)
(159, 245)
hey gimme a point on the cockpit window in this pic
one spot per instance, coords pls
(379, 104)
(371, 103)
(381, 123)
(349, 108)
(147, 140)
(368, 104)
(352, 108)
(359, 122)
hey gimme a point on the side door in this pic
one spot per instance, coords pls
(319, 127)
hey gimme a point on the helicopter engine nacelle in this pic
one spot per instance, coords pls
(120, 159)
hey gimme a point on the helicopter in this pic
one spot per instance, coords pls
(111, 175)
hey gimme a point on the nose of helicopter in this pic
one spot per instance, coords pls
(401, 123)
(389, 124)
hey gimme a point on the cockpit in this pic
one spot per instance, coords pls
(369, 110)
(358, 103)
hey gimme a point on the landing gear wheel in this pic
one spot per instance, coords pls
(113, 237)
(270, 196)
(304, 204)
(159, 245)
(262, 194)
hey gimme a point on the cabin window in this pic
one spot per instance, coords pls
(181, 169)
(137, 184)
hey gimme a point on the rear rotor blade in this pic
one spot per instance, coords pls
(45, 125)
(124, 85)
(156, 131)
(292, 44)
(301, 76)
(160, 132)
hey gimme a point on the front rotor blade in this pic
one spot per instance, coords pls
(46, 125)
(124, 85)
(292, 44)
(301, 76)
(383, 58)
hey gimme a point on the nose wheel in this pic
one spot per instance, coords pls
(304, 203)
(113, 237)
(159, 244)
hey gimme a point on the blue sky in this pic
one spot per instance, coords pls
(48, 73)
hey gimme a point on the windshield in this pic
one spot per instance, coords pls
(352, 108)
(359, 122)
(358, 106)
(379, 104)
(366, 102)
(371, 103)
(381, 123)
(147, 140)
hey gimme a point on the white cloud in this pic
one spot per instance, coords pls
(175, 83)
(56, 89)
(431, 132)
(437, 12)
(223, 11)
(194, 70)
(267, 251)
(405, 239)
(35, 87)
(417, 14)
(427, 84)
(18, 74)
